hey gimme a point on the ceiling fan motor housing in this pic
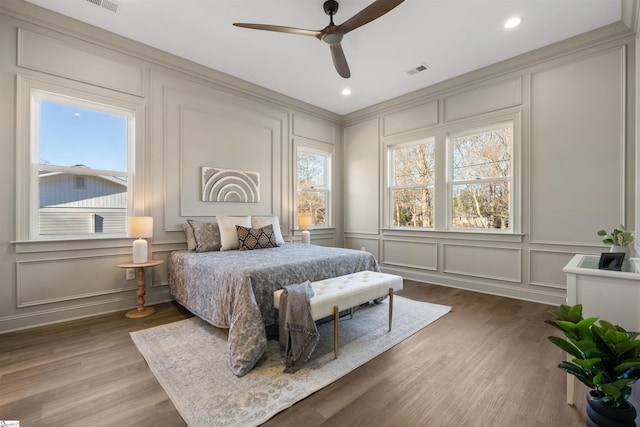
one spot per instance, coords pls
(330, 7)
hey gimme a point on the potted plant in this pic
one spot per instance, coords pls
(619, 239)
(606, 358)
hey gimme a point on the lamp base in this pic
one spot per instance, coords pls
(140, 251)
(306, 237)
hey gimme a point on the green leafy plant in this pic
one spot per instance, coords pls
(606, 358)
(619, 236)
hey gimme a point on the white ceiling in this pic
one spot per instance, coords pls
(451, 36)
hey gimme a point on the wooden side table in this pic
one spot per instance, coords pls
(141, 311)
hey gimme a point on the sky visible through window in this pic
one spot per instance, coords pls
(71, 135)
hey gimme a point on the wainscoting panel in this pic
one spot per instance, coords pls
(577, 154)
(494, 97)
(53, 280)
(361, 178)
(420, 255)
(314, 129)
(546, 268)
(409, 119)
(75, 60)
(482, 261)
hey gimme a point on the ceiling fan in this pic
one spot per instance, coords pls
(332, 34)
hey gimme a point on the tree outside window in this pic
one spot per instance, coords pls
(412, 185)
(481, 178)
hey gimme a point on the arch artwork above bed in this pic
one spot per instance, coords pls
(230, 185)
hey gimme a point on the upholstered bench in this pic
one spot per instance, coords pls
(345, 292)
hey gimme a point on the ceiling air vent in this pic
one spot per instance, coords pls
(106, 4)
(417, 69)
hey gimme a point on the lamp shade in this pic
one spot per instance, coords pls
(305, 222)
(140, 226)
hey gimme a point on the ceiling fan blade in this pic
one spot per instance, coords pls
(373, 11)
(339, 60)
(279, 29)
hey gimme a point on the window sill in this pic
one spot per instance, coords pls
(70, 244)
(495, 236)
(317, 230)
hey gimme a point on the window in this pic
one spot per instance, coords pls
(81, 166)
(412, 184)
(313, 195)
(480, 178)
(80, 182)
(460, 180)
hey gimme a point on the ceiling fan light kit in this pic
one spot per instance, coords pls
(332, 34)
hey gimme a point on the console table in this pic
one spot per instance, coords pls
(610, 295)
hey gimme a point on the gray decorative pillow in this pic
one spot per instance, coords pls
(206, 235)
(191, 240)
(256, 238)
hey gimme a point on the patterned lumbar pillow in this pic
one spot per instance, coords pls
(206, 236)
(256, 238)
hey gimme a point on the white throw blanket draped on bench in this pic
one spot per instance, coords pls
(298, 332)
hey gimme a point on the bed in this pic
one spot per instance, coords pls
(234, 289)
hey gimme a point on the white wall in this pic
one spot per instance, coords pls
(187, 117)
(574, 150)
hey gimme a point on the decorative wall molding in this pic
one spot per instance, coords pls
(496, 263)
(56, 56)
(497, 95)
(541, 273)
(52, 280)
(411, 254)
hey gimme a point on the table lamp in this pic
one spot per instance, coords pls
(305, 224)
(140, 227)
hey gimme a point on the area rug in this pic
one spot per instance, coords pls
(189, 359)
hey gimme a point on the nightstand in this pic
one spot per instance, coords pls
(141, 311)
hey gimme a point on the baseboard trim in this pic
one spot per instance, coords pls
(532, 295)
(81, 310)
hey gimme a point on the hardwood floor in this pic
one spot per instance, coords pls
(487, 363)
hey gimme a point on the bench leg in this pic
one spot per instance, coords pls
(390, 307)
(336, 319)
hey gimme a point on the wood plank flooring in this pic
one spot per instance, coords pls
(487, 363)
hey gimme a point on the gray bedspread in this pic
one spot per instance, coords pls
(234, 289)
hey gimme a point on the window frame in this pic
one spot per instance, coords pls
(485, 127)
(443, 196)
(324, 149)
(27, 236)
(391, 174)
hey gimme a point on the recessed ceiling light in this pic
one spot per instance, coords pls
(512, 22)
(346, 91)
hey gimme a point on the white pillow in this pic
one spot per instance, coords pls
(263, 221)
(228, 233)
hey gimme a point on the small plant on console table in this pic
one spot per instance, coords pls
(606, 358)
(618, 237)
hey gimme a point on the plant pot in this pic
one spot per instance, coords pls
(602, 415)
(617, 248)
